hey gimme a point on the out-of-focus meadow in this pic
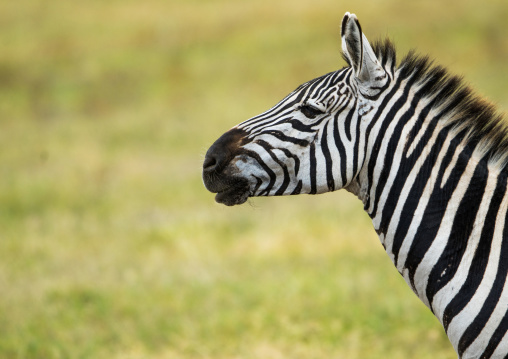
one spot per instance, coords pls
(110, 247)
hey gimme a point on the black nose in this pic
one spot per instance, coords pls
(210, 163)
(214, 160)
(223, 151)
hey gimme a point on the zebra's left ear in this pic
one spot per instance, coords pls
(358, 51)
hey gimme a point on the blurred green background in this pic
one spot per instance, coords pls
(110, 246)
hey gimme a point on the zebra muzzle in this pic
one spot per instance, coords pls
(218, 178)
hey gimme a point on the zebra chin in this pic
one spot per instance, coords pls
(230, 190)
(232, 197)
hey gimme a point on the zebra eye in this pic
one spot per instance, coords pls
(310, 111)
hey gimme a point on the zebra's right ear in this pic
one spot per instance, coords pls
(359, 53)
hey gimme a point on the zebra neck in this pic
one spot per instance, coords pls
(440, 212)
(433, 177)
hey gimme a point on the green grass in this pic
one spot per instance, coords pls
(110, 247)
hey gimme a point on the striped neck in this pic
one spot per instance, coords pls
(437, 195)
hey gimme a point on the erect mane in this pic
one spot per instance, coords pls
(472, 118)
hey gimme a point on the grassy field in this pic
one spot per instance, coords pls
(110, 246)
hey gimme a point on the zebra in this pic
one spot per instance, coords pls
(427, 157)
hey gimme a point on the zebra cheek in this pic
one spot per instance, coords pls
(248, 169)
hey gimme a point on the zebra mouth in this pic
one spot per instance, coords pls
(232, 196)
(230, 190)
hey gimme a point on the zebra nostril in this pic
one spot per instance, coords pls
(210, 163)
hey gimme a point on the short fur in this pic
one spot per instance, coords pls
(473, 118)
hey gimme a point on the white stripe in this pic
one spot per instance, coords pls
(449, 169)
(348, 145)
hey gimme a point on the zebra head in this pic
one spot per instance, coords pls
(310, 142)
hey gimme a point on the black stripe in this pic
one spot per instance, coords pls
(258, 184)
(448, 263)
(340, 148)
(381, 90)
(281, 136)
(296, 124)
(299, 126)
(313, 174)
(496, 337)
(348, 76)
(298, 188)
(289, 119)
(480, 259)
(295, 158)
(328, 160)
(347, 121)
(356, 154)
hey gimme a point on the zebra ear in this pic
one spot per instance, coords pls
(359, 53)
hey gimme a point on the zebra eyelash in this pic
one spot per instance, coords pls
(310, 111)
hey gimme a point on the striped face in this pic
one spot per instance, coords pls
(289, 148)
(308, 143)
